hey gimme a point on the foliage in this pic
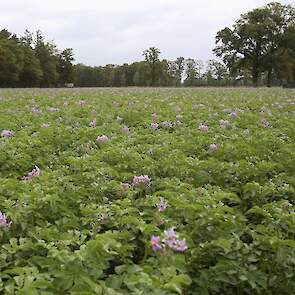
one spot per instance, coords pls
(83, 213)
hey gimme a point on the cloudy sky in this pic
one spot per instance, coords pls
(117, 31)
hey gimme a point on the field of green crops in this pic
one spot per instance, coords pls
(147, 191)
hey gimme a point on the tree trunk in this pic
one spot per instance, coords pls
(269, 76)
(255, 75)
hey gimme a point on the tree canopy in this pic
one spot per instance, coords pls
(259, 49)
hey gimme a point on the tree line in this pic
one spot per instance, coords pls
(31, 61)
(259, 49)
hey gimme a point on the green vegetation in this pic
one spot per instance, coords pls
(258, 50)
(218, 166)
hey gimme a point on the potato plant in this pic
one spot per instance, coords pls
(147, 191)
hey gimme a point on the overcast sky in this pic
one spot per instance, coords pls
(117, 31)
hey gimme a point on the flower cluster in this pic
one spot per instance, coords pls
(142, 180)
(154, 126)
(3, 221)
(265, 123)
(162, 205)
(33, 174)
(167, 124)
(102, 139)
(204, 128)
(213, 147)
(233, 115)
(92, 123)
(7, 133)
(223, 123)
(170, 240)
(125, 130)
(36, 110)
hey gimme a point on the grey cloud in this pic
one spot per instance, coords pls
(117, 31)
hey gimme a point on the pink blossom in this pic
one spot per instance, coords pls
(213, 147)
(169, 236)
(102, 139)
(162, 205)
(204, 128)
(81, 102)
(125, 130)
(166, 124)
(93, 123)
(233, 115)
(154, 126)
(142, 180)
(223, 123)
(265, 123)
(36, 110)
(33, 174)
(170, 239)
(156, 243)
(179, 245)
(3, 221)
(7, 133)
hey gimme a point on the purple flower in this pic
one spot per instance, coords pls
(179, 245)
(166, 124)
(93, 123)
(213, 147)
(33, 174)
(204, 128)
(7, 133)
(233, 115)
(36, 110)
(81, 102)
(162, 205)
(154, 126)
(102, 139)
(125, 130)
(169, 237)
(265, 123)
(45, 125)
(223, 123)
(142, 180)
(156, 243)
(3, 221)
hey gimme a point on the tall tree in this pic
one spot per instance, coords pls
(151, 56)
(11, 59)
(65, 66)
(179, 69)
(46, 53)
(255, 39)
